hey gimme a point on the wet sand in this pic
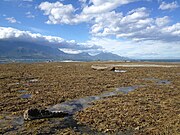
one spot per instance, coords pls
(153, 108)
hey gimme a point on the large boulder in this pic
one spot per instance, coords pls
(103, 68)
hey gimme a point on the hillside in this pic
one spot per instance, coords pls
(30, 50)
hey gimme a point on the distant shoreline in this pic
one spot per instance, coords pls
(160, 60)
(4, 61)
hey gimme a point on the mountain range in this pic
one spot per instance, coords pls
(10, 49)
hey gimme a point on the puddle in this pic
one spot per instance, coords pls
(25, 96)
(161, 82)
(13, 123)
(108, 94)
(158, 81)
(18, 121)
(120, 71)
(125, 90)
(22, 91)
(78, 104)
(73, 106)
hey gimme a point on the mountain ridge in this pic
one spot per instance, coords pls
(30, 50)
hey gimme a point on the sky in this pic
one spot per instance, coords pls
(131, 28)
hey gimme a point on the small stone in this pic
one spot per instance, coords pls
(37, 92)
(33, 80)
(137, 128)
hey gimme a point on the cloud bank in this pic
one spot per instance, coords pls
(128, 48)
(136, 25)
(8, 33)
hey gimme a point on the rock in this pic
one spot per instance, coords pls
(33, 80)
(32, 114)
(137, 128)
(120, 71)
(103, 68)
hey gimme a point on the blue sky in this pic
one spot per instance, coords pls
(131, 28)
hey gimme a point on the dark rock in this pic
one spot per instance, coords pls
(32, 114)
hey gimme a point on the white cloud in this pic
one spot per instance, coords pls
(102, 6)
(162, 21)
(29, 15)
(135, 25)
(70, 51)
(11, 33)
(83, 1)
(136, 20)
(12, 20)
(103, 26)
(144, 49)
(168, 6)
(173, 30)
(57, 12)
(128, 48)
